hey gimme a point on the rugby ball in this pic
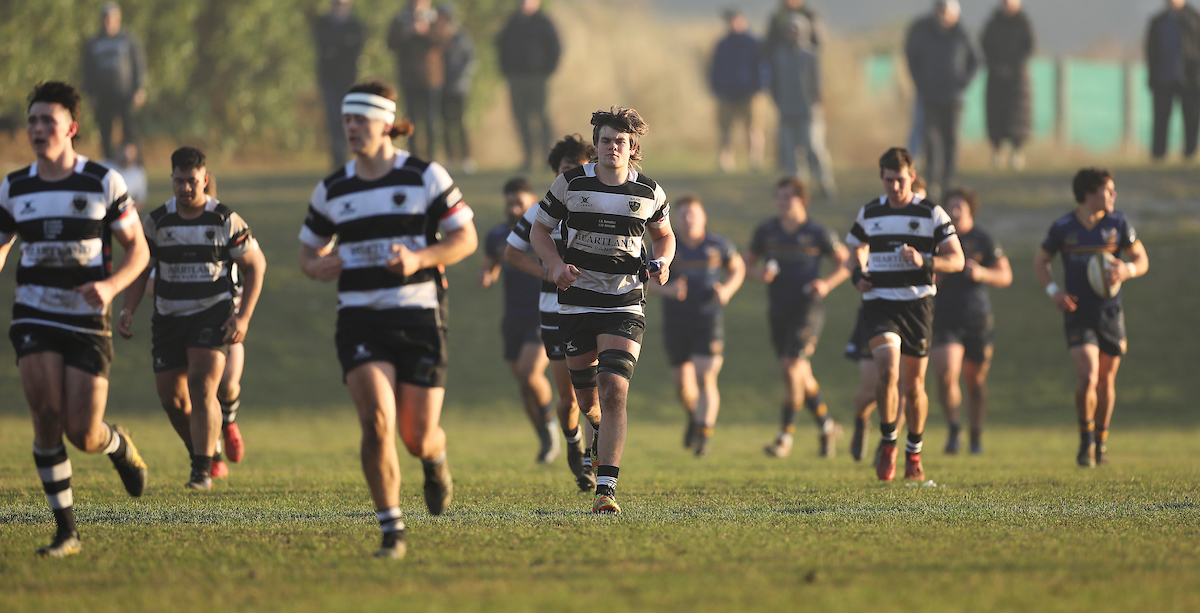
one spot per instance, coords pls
(1097, 268)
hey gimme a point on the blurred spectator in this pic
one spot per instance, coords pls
(339, 38)
(735, 76)
(114, 78)
(529, 51)
(460, 68)
(793, 54)
(419, 41)
(129, 166)
(942, 63)
(1007, 45)
(1173, 60)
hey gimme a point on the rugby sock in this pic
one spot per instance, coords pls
(816, 404)
(606, 480)
(202, 464)
(229, 411)
(1087, 432)
(706, 432)
(390, 520)
(430, 466)
(888, 431)
(955, 428)
(914, 443)
(54, 469)
(116, 443)
(1102, 435)
(788, 419)
(220, 448)
(976, 436)
(573, 436)
(860, 422)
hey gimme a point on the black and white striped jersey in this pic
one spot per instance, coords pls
(192, 259)
(605, 226)
(409, 206)
(519, 238)
(886, 230)
(66, 231)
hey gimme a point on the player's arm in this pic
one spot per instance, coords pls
(525, 262)
(663, 239)
(998, 274)
(1138, 264)
(1041, 267)
(130, 301)
(253, 267)
(452, 249)
(5, 248)
(735, 275)
(489, 272)
(821, 287)
(137, 255)
(856, 267)
(949, 256)
(321, 264)
(561, 273)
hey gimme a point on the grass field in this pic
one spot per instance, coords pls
(1019, 528)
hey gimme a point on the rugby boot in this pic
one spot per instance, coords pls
(885, 467)
(586, 481)
(64, 544)
(781, 448)
(439, 486)
(912, 467)
(1084, 457)
(976, 448)
(130, 466)
(952, 443)
(220, 469)
(199, 481)
(702, 445)
(689, 432)
(828, 439)
(858, 440)
(605, 505)
(575, 453)
(1101, 454)
(393, 547)
(549, 441)
(235, 447)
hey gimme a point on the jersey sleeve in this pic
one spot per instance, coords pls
(551, 209)
(150, 228)
(943, 226)
(1128, 234)
(994, 253)
(728, 251)
(519, 237)
(830, 242)
(122, 214)
(241, 241)
(1053, 241)
(318, 230)
(8, 223)
(662, 215)
(446, 200)
(758, 242)
(857, 236)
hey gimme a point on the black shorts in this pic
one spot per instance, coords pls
(687, 336)
(579, 331)
(518, 332)
(552, 337)
(794, 332)
(1104, 328)
(417, 352)
(911, 319)
(858, 348)
(974, 336)
(172, 335)
(91, 353)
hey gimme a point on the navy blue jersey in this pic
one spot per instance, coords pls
(701, 266)
(520, 289)
(958, 297)
(798, 254)
(1112, 234)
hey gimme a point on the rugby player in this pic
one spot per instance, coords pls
(520, 327)
(962, 320)
(194, 242)
(895, 240)
(693, 328)
(398, 220)
(568, 153)
(786, 254)
(1094, 325)
(65, 209)
(607, 206)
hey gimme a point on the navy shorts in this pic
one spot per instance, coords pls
(685, 337)
(1104, 328)
(975, 337)
(794, 332)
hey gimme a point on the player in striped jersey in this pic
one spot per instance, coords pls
(67, 210)
(194, 243)
(1095, 326)
(398, 221)
(607, 207)
(569, 153)
(899, 243)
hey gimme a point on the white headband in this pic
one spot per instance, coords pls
(369, 105)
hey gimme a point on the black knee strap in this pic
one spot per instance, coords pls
(617, 362)
(583, 379)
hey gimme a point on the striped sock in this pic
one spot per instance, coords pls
(787, 418)
(573, 436)
(54, 469)
(914, 443)
(116, 443)
(816, 404)
(229, 411)
(1087, 432)
(888, 431)
(1102, 435)
(606, 480)
(202, 464)
(390, 520)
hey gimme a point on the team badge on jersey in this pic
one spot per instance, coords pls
(398, 198)
(1109, 235)
(80, 203)
(210, 234)
(634, 205)
(914, 224)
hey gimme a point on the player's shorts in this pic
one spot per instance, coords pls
(172, 335)
(912, 320)
(974, 336)
(518, 332)
(579, 330)
(1104, 328)
(552, 337)
(858, 348)
(417, 352)
(794, 332)
(689, 336)
(91, 353)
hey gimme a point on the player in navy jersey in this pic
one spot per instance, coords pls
(521, 324)
(962, 320)
(1094, 325)
(568, 153)
(900, 242)
(786, 254)
(693, 327)
(608, 207)
(67, 210)
(397, 221)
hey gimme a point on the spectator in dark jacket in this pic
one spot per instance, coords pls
(460, 68)
(1173, 60)
(419, 42)
(529, 51)
(339, 39)
(1007, 45)
(735, 76)
(942, 63)
(114, 78)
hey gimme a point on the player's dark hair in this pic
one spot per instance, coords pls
(1088, 180)
(919, 184)
(188, 158)
(57, 92)
(517, 185)
(401, 127)
(799, 187)
(571, 147)
(625, 121)
(897, 159)
(689, 200)
(969, 197)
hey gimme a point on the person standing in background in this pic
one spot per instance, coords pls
(735, 76)
(1008, 43)
(339, 38)
(418, 40)
(1173, 61)
(459, 58)
(114, 78)
(529, 50)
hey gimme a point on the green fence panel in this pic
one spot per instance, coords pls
(880, 73)
(1096, 104)
(1043, 82)
(974, 116)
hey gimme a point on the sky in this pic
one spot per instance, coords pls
(1062, 26)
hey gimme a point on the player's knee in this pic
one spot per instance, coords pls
(617, 362)
(229, 391)
(584, 378)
